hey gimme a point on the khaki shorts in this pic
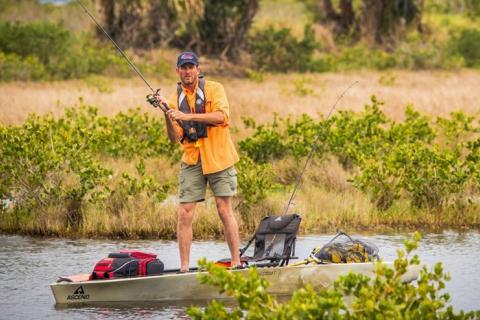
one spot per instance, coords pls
(193, 183)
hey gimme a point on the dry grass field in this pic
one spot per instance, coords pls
(435, 93)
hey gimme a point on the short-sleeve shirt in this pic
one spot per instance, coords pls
(216, 151)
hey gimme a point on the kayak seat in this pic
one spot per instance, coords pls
(274, 239)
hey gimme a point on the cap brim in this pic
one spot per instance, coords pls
(195, 63)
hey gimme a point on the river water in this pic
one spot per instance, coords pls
(28, 265)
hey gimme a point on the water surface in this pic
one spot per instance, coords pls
(28, 265)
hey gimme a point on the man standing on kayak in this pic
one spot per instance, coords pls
(209, 155)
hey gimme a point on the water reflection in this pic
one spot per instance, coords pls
(28, 265)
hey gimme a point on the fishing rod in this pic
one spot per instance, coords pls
(312, 151)
(150, 97)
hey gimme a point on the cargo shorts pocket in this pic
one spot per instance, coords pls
(181, 186)
(223, 183)
(233, 179)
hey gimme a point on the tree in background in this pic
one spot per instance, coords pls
(375, 21)
(343, 19)
(213, 27)
(383, 20)
(123, 21)
(224, 26)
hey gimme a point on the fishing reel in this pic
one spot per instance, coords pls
(155, 102)
(190, 133)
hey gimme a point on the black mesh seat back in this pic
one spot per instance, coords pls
(287, 224)
(275, 237)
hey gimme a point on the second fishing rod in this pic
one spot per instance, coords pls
(313, 149)
(272, 242)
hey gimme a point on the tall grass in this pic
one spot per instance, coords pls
(323, 206)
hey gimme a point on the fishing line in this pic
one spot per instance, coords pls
(151, 98)
(116, 45)
(312, 151)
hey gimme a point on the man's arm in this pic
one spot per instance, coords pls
(173, 134)
(214, 118)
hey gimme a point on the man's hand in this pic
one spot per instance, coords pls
(178, 115)
(160, 98)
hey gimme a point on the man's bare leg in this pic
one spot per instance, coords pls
(186, 212)
(225, 211)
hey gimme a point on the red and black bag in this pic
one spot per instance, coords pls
(127, 263)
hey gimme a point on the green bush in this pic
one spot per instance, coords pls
(37, 159)
(432, 177)
(301, 135)
(280, 51)
(47, 41)
(353, 296)
(283, 137)
(14, 67)
(413, 54)
(473, 159)
(354, 58)
(351, 58)
(430, 163)
(4, 4)
(415, 128)
(125, 135)
(420, 53)
(131, 186)
(48, 162)
(473, 7)
(467, 45)
(468, 7)
(458, 129)
(254, 181)
(356, 137)
(42, 51)
(265, 144)
(87, 57)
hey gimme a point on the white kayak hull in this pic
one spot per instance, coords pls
(185, 286)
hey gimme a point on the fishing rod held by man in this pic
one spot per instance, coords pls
(152, 97)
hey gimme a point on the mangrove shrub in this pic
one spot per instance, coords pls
(430, 163)
(51, 164)
(353, 296)
(47, 51)
(279, 51)
(55, 167)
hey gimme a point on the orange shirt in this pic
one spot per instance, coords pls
(217, 151)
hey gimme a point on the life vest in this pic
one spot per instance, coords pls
(193, 129)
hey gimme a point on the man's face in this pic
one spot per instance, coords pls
(188, 74)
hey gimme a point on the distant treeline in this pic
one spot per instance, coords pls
(371, 34)
(220, 28)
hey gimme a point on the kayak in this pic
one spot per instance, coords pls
(172, 286)
(137, 276)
